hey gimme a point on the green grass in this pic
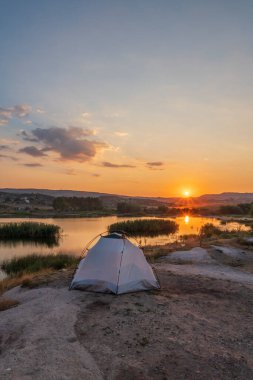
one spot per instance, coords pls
(35, 263)
(30, 231)
(145, 227)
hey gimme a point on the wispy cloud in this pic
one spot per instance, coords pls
(32, 165)
(40, 110)
(9, 142)
(86, 115)
(3, 121)
(27, 122)
(32, 151)
(5, 156)
(4, 147)
(121, 134)
(107, 164)
(18, 111)
(155, 165)
(71, 143)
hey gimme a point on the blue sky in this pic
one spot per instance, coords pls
(167, 82)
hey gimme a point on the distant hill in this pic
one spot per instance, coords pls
(230, 198)
(225, 198)
(54, 193)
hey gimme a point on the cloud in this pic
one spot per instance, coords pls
(32, 151)
(8, 157)
(155, 165)
(86, 115)
(71, 143)
(4, 147)
(18, 111)
(40, 110)
(32, 165)
(107, 164)
(3, 121)
(70, 172)
(21, 110)
(9, 141)
(121, 134)
(27, 122)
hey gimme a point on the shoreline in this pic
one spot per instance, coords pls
(197, 326)
(227, 218)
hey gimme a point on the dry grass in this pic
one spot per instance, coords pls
(7, 303)
(34, 279)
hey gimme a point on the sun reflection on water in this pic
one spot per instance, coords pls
(186, 219)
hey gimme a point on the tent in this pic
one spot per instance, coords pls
(114, 265)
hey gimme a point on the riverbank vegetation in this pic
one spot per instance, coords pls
(35, 263)
(145, 227)
(30, 231)
(77, 204)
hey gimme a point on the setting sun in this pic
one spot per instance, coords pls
(186, 193)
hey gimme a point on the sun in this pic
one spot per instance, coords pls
(186, 193)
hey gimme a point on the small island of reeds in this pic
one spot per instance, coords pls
(145, 227)
(30, 231)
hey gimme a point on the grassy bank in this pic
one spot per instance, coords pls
(145, 227)
(35, 263)
(34, 270)
(30, 231)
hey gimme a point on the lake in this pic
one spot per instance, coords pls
(78, 232)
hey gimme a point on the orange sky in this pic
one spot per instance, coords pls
(142, 100)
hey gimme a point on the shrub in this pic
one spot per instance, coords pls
(208, 230)
(145, 227)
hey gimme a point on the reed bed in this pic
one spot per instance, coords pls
(145, 227)
(30, 231)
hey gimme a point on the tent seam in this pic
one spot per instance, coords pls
(117, 289)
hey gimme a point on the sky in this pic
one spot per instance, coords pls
(132, 97)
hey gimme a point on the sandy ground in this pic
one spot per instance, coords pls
(198, 326)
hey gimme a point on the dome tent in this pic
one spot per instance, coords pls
(114, 265)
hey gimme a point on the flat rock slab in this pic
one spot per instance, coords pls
(195, 255)
(249, 240)
(38, 339)
(235, 253)
(216, 271)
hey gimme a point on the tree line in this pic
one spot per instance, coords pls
(77, 204)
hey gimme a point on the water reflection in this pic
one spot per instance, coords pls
(77, 232)
(186, 219)
(49, 243)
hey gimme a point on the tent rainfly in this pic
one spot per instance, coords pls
(114, 265)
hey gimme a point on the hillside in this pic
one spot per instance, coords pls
(44, 198)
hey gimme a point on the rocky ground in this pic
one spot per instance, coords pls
(199, 325)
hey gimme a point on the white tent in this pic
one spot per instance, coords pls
(114, 265)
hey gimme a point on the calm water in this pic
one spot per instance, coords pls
(77, 232)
